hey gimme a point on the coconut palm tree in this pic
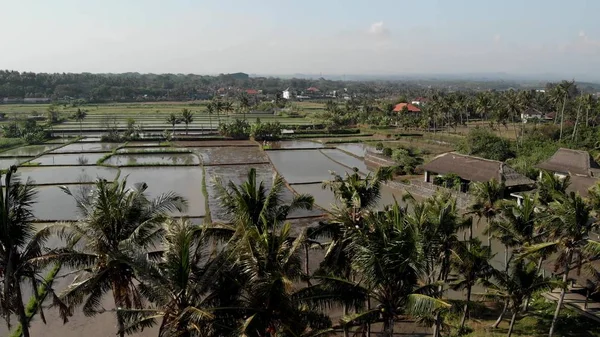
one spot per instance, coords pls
(210, 109)
(180, 282)
(471, 263)
(253, 203)
(79, 116)
(439, 222)
(117, 223)
(522, 282)
(173, 119)
(187, 116)
(21, 249)
(219, 106)
(568, 225)
(483, 104)
(228, 107)
(244, 104)
(551, 187)
(516, 228)
(269, 261)
(387, 267)
(487, 202)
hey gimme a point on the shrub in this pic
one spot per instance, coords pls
(483, 143)
(387, 151)
(449, 180)
(379, 146)
(266, 131)
(238, 129)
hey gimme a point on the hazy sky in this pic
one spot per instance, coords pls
(302, 36)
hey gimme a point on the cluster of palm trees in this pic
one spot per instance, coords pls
(252, 275)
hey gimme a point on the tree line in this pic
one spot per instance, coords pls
(251, 276)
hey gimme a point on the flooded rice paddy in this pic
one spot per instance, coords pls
(67, 174)
(30, 150)
(152, 159)
(296, 144)
(185, 181)
(87, 147)
(305, 166)
(230, 156)
(68, 159)
(7, 162)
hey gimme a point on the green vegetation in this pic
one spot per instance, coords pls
(238, 129)
(265, 131)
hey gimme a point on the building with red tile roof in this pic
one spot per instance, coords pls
(313, 89)
(410, 107)
(252, 92)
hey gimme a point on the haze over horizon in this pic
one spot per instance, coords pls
(379, 37)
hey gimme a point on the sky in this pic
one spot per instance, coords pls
(375, 37)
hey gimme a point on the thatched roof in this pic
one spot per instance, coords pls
(582, 185)
(476, 169)
(573, 162)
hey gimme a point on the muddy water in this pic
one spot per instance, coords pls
(346, 159)
(295, 144)
(185, 181)
(69, 159)
(238, 174)
(54, 204)
(87, 147)
(231, 155)
(30, 150)
(356, 149)
(66, 175)
(304, 166)
(158, 159)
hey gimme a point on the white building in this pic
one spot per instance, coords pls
(286, 94)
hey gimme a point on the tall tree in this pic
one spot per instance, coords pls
(244, 103)
(79, 116)
(173, 119)
(21, 248)
(187, 116)
(210, 109)
(471, 263)
(117, 223)
(487, 201)
(568, 227)
(512, 287)
(180, 281)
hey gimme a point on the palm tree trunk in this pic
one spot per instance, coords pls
(465, 309)
(506, 258)
(186, 129)
(562, 117)
(120, 323)
(306, 265)
(346, 330)
(21, 311)
(388, 326)
(576, 121)
(80, 129)
(499, 320)
(369, 323)
(562, 294)
(512, 323)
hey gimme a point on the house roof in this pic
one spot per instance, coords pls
(582, 185)
(251, 91)
(410, 107)
(573, 162)
(313, 89)
(476, 169)
(419, 99)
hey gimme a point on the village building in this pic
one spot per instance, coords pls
(474, 169)
(583, 170)
(409, 107)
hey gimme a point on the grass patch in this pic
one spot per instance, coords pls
(10, 143)
(344, 141)
(293, 136)
(30, 163)
(154, 151)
